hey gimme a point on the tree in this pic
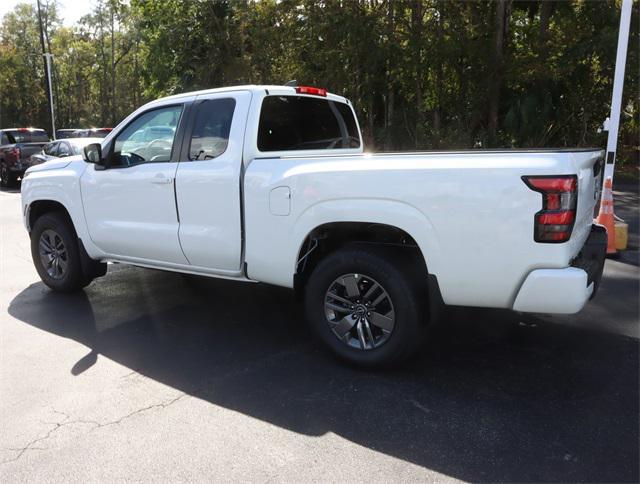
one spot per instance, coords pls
(422, 74)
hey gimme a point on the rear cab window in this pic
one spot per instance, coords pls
(299, 123)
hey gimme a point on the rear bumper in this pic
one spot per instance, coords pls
(566, 291)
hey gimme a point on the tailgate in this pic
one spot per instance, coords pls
(589, 166)
(28, 149)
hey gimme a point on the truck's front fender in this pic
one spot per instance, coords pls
(62, 186)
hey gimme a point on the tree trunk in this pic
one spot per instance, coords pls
(503, 10)
(104, 101)
(546, 9)
(437, 111)
(416, 27)
(389, 111)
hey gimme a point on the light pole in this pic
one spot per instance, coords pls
(48, 59)
(613, 121)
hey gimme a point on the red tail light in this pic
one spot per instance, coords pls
(554, 223)
(314, 91)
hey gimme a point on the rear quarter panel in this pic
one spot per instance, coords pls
(470, 213)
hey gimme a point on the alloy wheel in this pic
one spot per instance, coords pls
(53, 254)
(359, 311)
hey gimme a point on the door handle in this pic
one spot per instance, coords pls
(160, 179)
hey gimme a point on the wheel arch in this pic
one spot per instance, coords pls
(329, 237)
(38, 208)
(374, 219)
(91, 268)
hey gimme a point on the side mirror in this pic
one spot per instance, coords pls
(93, 154)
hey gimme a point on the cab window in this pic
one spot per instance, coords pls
(306, 123)
(148, 138)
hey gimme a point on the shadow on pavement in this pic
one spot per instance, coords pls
(490, 399)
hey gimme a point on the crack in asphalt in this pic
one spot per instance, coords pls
(58, 425)
(30, 445)
(141, 410)
(96, 425)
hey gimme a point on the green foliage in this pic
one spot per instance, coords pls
(422, 73)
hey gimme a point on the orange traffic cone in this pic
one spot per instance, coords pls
(605, 216)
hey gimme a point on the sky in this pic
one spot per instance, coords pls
(70, 10)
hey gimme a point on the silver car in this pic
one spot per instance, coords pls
(60, 149)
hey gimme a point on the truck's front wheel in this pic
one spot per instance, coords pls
(55, 253)
(364, 304)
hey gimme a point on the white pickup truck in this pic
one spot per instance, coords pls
(271, 184)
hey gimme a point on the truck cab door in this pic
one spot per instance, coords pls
(129, 203)
(208, 182)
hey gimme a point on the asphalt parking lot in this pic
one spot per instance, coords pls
(154, 376)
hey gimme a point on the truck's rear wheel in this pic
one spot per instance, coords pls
(55, 253)
(364, 305)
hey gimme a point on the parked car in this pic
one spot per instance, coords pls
(65, 133)
(16, 145)
(91, 133)
(271, 184)
(60, 149)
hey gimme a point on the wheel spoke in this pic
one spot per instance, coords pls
(44, 250)
(351, 285)
(344, 326)
(45, 244)
(363, 343)
(333, 295)
(371, 290)
(381, 321)
(379, 299)
(335, 307)
(368, 332)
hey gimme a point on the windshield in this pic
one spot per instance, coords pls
(27, 136)
(305, 123)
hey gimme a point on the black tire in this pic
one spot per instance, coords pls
(72, 278)
(7, 178)
(396, 274)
